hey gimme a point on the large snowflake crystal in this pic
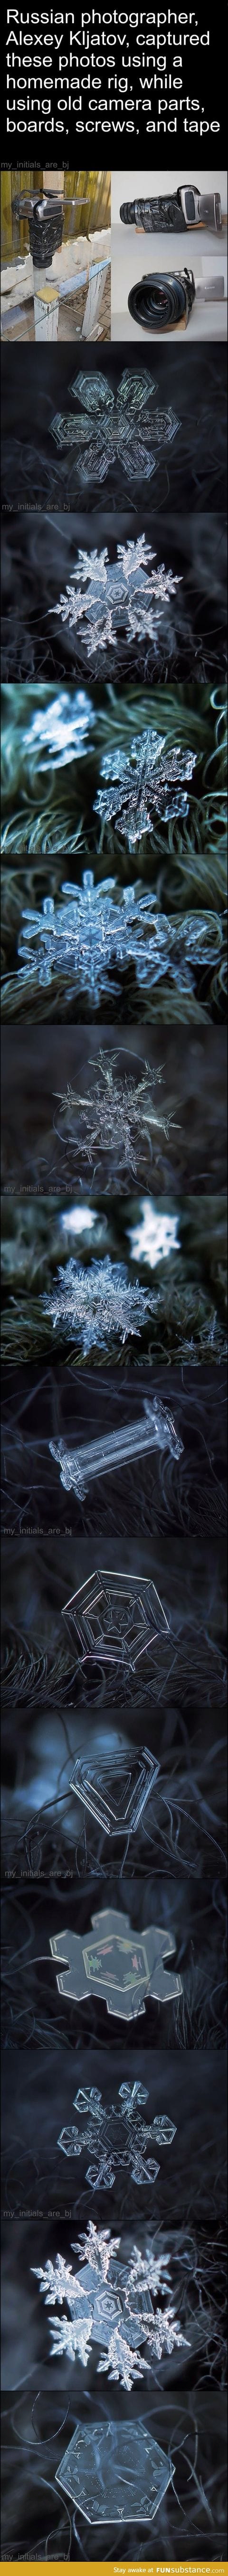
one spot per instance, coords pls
(101, 931)
(121, 2306)
(104, 599)
(147, 782)
(59, 731)
(93, 1304)
(117, 1114)
(108, 431)
(117, 2137)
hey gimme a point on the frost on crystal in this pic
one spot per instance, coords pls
(107, 430)
(104, 598)
(117, 1114)
(101, 930)
(59, 731)
(92, 1304)
(123, 2306)
(146, 783)
(116, 2137)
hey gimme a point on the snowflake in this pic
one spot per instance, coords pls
(147, 782)
(107, 430)
(116, 1110)
(103, 598)
(101, 929)
(118, 2136)
(94, 1303)
(59, 731)
(116, 2305)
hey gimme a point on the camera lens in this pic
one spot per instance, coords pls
(159, 304)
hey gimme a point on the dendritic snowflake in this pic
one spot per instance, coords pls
(59, 731)
(117, 1110)
(104, 598)
(117, 2136)
(107, 430)
(101, 930)
(93, 1304)
(116, 2304)
(146, 783)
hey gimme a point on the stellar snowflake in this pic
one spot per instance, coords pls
(116, 2136)
(103, 930)
(107, 431)
(146, 783)
(103, 598)
(122, 2306)
(117, 1114)
(98, 1303)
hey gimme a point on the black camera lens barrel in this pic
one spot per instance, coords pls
(162, 303)
(154, 214)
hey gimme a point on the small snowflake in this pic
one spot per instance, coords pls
(117, 2136)
(103, 598)
(59, 731)
(93, 1304)
(146, 783)
(107, 430)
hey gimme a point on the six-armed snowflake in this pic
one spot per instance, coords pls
(102, 931)
(146, 783)
(104, 599)
(123, 2306)
(116, 2135)
(107, 431)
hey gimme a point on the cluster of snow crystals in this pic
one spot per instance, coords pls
(104, 597)
(146, 783)
(108, 430)
(116, 1112)
(58, 732)
(92, 1304)
(116, 2304)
